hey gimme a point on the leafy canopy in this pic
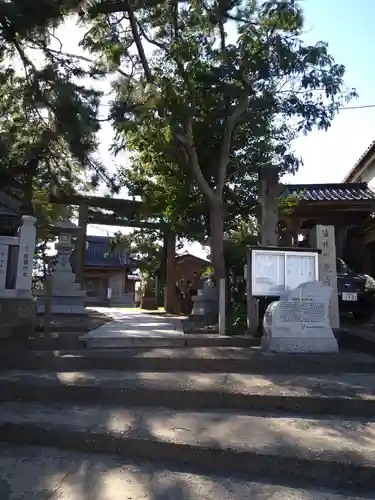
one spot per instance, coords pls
(48, 119)
(209, 93)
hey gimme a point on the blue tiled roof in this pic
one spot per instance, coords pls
(98, 254)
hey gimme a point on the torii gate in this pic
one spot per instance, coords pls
(127, 213)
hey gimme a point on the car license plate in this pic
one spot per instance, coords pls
(352, 297)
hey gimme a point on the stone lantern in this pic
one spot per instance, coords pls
(67, 295)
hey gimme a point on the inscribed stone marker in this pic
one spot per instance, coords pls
(323, 237)
(299, 321)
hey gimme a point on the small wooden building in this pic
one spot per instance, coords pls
(189, 266)
(347, 206)
(108, 276)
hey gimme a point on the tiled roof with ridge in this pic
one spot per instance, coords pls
(98, 254)
(330, 192)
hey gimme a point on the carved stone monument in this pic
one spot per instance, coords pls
(67, 295)
(17, 306)
(323, 237)
(299, 322)
(206, 302)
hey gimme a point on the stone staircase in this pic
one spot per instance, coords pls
(288, 424)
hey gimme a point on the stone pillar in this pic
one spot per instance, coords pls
(323, 237)
(81, 243)
(269, 192)
(252, 304)
(27, 236)
(170, 266)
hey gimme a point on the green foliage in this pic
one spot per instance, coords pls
(48, 118)
(209, 93)
(236, 248)
(237, 318)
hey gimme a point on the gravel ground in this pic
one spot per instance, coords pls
(75, 323)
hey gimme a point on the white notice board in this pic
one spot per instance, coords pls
(275, 271)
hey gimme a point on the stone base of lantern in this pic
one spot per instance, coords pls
(17, 317)
(63, 304)
(67, 300)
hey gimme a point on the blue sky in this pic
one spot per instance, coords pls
(347, 26)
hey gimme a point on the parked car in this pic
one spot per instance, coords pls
(356, 292)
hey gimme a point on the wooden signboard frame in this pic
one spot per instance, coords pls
(255, 288)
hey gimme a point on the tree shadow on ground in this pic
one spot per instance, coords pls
(29, 473)
(51, 474)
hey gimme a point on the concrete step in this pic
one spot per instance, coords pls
(330, 452)
(349, 395)
(46, 473)
(179, 340)
(202, 359)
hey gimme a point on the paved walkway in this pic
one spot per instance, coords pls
(135, 323)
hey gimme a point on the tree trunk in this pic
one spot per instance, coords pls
(31, 168)
(217, 239)
(269, 192)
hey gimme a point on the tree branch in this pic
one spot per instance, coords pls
(232, 122)
(227, 141)
(79, 58)
(138, 43)
(193, 161)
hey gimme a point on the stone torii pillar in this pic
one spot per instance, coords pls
(170, 271)
(81, 243)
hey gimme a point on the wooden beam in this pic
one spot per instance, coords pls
(100, 202)
(114, 221)
(335, 217)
